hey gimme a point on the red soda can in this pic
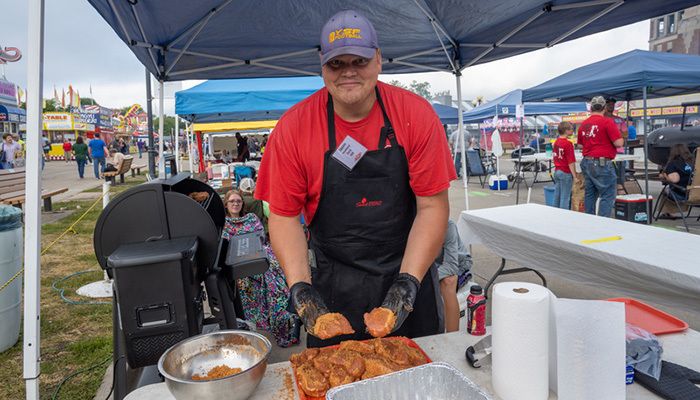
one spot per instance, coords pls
(476, 311)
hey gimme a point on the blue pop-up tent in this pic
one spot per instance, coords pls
(504, 106)
(243, 99)
(634, 75)
(624, 77)
(448, 115)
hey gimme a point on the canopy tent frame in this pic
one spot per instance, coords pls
(196, 28)
(34, 78)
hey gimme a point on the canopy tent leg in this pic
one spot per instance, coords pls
(32, 217)
(161, 137)
(177, 143)
(646, 155)
(149, 119)
(460, 130)
(518, 178)
(188, 132)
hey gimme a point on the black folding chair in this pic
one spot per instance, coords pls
(475, 166)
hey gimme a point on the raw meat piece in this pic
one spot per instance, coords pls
(380, 321)
(312, 381)
(355, 345)
(331, 325)
(350, 361)
(304, 356)
(375, 366)
(340, 377)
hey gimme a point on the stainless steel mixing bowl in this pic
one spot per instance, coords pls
(199, 354)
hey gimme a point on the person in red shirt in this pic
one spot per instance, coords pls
(600, 138)
(564, 166)
(67, 150)
(368, 165)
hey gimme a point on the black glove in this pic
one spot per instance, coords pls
(401, 296)
(308, 304)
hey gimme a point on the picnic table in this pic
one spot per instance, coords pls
(636, 260)
(521, 166)
(681, 348)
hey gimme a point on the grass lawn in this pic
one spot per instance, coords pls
(73, 337)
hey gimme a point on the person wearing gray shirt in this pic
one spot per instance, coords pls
(454, 260)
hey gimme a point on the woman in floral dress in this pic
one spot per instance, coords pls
(264, 297)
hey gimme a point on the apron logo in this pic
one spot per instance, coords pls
(365, 203)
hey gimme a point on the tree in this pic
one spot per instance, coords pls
(398, 84)
(421, 89)
(87, 101)
(50, 105)
(168, 125)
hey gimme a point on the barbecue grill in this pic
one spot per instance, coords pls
(162, 247)
(661, 140)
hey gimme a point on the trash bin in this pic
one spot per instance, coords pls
(549, 196)
(10, 264)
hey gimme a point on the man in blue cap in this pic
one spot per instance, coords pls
(368, 165)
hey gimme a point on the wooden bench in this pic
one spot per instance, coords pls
(123, 169)
(12, 183)
(136, 169)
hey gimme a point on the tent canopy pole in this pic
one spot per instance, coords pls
(161, 138)
(646, 155)
(460, 138)
(32, 218)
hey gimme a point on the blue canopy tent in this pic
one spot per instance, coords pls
(222, 39)
(634, 75)
(243, 99)
(504, 106)
(448, 115)
(624, 77)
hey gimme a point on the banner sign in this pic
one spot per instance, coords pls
(8, 91)
(58, 121)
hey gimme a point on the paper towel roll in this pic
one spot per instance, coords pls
(520, 339)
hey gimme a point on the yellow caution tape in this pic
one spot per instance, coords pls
(601, 240)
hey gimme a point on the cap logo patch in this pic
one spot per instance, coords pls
(347, 33)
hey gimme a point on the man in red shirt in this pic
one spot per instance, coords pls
(564, 166)
(369, 167)
(600, 138)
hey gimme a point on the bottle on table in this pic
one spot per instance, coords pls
(476, 311)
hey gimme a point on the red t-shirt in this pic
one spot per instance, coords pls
(563, 154)
(597, 134)
(291, 173)
(67, 146)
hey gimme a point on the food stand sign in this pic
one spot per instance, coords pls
(58, 121)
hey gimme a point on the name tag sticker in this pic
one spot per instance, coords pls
(349, 152)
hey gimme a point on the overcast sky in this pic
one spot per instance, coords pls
(82, 50)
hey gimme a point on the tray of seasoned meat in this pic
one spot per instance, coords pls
(317, 370)
(430, 381)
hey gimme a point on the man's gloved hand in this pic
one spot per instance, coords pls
(308, 304)
(401, 296)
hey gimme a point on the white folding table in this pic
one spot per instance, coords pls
(641, 261)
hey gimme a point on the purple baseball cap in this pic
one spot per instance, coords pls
(348, 32)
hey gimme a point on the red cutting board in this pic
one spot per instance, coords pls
(407, 341)
(649, 318)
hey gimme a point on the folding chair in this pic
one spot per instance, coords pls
(692, 195)
(475, 166)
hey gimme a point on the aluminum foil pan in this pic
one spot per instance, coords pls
(434, 381)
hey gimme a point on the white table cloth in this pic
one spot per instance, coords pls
(648, 263)
(680, 348)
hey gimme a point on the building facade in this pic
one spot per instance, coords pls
(677, 32)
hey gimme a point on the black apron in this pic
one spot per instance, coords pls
(359, 234)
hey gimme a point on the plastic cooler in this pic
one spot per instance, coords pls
(10, 264)
(549, 196)
(633, 208)
(495, 181)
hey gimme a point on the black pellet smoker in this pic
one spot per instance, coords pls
(165, 254)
